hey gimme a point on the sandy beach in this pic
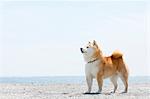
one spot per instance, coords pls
(70, 91)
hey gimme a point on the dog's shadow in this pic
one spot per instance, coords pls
(94, 93)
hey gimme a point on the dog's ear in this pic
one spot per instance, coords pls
(95, 44)
(89, 43)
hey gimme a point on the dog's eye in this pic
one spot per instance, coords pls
(87, 47)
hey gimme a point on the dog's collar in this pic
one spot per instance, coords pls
(93, 60)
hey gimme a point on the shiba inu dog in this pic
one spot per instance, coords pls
(101, 67)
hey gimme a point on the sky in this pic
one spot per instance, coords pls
(43, 38)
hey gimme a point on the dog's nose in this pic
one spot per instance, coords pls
(81, 50)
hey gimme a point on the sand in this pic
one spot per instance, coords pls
(70, 91)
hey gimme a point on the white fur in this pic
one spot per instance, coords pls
(91, 70)
(88, 54)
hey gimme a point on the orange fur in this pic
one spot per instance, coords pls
(110, 66)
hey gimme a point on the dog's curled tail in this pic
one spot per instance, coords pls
(116, 54)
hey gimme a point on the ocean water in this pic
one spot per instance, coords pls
(66, 79)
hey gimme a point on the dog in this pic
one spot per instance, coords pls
(100, 67)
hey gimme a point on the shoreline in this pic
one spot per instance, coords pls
(65, 80)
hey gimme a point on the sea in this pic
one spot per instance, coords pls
(66, 80)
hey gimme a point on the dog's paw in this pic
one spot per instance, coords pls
(123, 92)
(112, 92)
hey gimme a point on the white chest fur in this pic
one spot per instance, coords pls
(91, 69)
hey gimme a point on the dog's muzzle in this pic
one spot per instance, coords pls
(81, 50)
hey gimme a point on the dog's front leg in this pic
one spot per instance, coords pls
(100, 83)
(89, 81)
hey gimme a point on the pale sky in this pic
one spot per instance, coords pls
(42, 38)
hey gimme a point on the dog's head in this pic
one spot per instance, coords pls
(91, 51)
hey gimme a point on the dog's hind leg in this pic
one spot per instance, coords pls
(114, 79)
(124, 78)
